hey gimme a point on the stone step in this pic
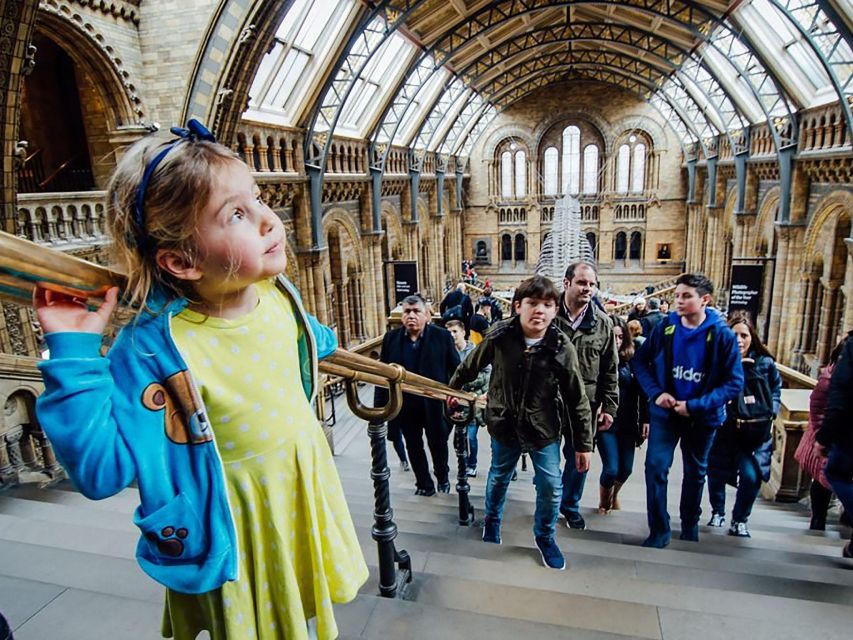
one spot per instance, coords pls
(384, 619)
(480, 577)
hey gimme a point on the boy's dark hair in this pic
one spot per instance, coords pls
(698, 282)
(570, 270)
(538, 287)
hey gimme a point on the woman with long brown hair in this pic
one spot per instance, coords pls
(737, 456)
(629, 429)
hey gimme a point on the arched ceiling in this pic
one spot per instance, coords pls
(712, 68)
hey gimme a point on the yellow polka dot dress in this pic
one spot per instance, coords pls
(298, 549)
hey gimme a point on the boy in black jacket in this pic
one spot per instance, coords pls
(534, 370)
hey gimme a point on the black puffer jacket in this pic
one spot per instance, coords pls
(529, 387)
(633, 408)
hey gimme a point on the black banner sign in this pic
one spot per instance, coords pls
(745, 292)
(405, 283)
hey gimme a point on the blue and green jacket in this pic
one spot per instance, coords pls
(136, 415)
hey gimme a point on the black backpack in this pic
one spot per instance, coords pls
(456, 312)
(753, 408)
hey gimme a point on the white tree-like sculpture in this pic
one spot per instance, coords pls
(566, 243)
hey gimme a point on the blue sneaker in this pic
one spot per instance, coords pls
(552, 557)
(492, 530)
(657, 540)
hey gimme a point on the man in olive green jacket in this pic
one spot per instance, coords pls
(591, 333)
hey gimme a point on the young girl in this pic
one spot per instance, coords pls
(730, 461)
(205, 401)
(629, 429)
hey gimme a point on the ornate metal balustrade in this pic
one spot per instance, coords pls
(62, 219)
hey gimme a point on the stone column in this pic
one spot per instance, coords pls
(807, 285)
(790, 287)
(784, 236)
(826, 329)
(848, 283)
(13, 447)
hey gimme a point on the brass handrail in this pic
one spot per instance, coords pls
(23, 264)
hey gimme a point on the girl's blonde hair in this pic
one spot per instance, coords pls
(176, 194)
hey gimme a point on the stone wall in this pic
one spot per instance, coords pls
(605, 115)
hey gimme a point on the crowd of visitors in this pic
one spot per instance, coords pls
(685, 378)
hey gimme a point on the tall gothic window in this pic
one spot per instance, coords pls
(635, 249)
(519, 248)
(506, 247)
(623, 160)
(620, 246)
(638, 169)
(571, 159)
(590, 169)
(551, 172)
(520, 175)
(506, 175)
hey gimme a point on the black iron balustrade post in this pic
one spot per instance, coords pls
(460, 443)
(460, 418)
(392, 579)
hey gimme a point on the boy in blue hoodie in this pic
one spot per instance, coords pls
(689, 367)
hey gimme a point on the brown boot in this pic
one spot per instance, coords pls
(614, 504)
(605, 500)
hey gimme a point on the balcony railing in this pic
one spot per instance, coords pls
(61, 218)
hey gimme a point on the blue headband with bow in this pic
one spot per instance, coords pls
(194, 131)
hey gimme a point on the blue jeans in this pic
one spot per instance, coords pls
(748, 485)
(472, 446)
(696, 441)
(839, 472)
(573, 480)
(546, 465)
(617, 457)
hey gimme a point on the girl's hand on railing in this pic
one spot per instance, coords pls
(60, 312)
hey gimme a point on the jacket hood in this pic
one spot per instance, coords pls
(712, 318)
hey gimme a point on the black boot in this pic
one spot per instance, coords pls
(820, 497)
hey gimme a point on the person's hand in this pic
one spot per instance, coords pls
(482, 401)
(644, 431)
(582, 461)
(455, 408)
(605, 421)
(666, 401)
(819, 450)
(59, 312)
(681, 408)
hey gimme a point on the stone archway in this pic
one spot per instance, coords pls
(18, 21)
(92, 53)
(828, 277)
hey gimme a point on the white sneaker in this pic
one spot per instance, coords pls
(717, 520)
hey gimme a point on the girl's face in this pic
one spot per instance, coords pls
(240, 239)
(619, 336)
(744, 338)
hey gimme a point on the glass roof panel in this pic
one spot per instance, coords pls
(374, 82)
(303, 42)
(416, 111)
